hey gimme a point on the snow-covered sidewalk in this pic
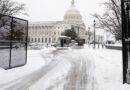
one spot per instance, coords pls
(15, 78)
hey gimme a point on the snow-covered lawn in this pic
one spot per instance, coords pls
(108, 69)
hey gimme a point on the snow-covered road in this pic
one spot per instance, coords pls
(55, 76)
(81, 75)
(75, 69)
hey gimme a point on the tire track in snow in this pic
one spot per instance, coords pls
(81, 75)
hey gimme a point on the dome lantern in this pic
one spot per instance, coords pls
(73, 3)
(73, 14)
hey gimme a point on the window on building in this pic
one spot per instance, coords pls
(42, 39)
(39, 40)
(32, 39)
(35, 27)
(49, 40)
(46, 40)
(35, 39)
(39, 27)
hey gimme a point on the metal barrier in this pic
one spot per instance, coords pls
(13, 41)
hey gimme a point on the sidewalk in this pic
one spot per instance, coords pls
(9, 78)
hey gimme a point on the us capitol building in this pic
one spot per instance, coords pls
(48, 32)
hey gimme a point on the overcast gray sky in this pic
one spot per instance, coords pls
(54, 10)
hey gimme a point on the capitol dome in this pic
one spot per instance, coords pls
(72, 14)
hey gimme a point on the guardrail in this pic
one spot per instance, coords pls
(114, 47)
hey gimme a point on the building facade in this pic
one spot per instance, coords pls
(43, 33)
(48, 32)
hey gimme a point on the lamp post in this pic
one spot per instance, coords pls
(94, 34)
(89, 35)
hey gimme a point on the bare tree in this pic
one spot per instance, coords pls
(9, 7)
(12, 8)
(111, 19)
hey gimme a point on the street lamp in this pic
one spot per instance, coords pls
(89, 35)
(94, 34)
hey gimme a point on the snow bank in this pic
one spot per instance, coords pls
(108, 69)
(114, 45)
(34, 63)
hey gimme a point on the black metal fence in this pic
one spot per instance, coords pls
(114, 47)
(125, 5)
(13, 41)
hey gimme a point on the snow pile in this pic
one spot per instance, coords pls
(114, 45)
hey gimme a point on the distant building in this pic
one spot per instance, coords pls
(49, 32)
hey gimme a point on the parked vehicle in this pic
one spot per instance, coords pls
(34, 47)
(77, 46)
(81, 42)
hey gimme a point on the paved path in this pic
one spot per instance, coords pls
(24, 82)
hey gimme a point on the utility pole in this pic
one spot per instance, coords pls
(94, 34)
(125, 6)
